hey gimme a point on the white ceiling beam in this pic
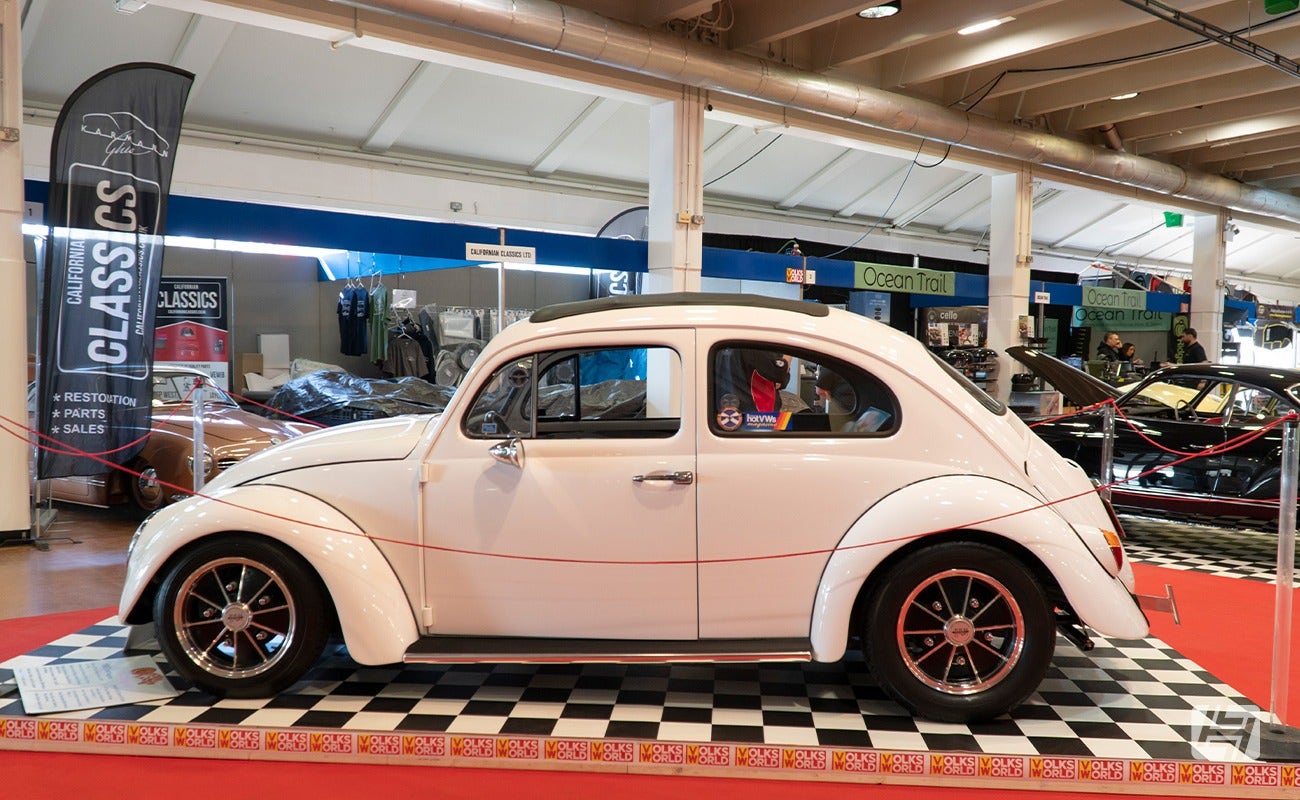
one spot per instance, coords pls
(1263, 160)
(1170, 242)
(734, 140)
(1258, 128)
(201, 46)
(922, 21)
(1033, 29)
(31, 23)
(405, 106)
(952, 187)
(575, 135)
(1209, 115)
(838, 166)
(1096, 220)
(958, 222)
(1221, 153)
(1053, 89)
(769, 20)
(657, 12)
(1216, 88)
(861, 200)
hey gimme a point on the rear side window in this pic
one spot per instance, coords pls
(756, 389)
(984, 398)
(581, 393)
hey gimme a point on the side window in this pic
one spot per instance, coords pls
(1251, 405)
(755, 389)
(1185, 397)
(591, 392)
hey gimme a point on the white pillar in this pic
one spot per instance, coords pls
(1209, 264)
(15, 486)
(1009, 260)
(676, 216)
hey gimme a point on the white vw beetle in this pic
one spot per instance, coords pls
(655, 478)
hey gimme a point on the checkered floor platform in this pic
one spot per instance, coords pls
(1220, 551)
(1124, 699)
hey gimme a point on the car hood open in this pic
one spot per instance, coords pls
(1078, 387)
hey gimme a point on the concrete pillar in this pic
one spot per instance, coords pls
(676, 219)
(15, 486)
(1209, 263)
(1009, 259)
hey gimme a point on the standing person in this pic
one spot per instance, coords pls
(1193, 351)
(1108, 349)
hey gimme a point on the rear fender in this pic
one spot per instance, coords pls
(373, 611)
(969, 503)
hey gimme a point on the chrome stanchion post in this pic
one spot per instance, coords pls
(1106, 472)
(1278, 741)
(197, 464)
(1285, 573)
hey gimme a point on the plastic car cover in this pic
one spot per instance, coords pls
(326, 392)
(612, 399)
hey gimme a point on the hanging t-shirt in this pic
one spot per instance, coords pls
(352, 312)
(379, 324)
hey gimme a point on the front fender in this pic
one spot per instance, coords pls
(373, 611)
(961, 502)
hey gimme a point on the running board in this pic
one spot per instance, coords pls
(475, 649)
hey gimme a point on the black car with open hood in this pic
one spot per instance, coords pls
(1182, 445)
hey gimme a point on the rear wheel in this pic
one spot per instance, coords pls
(959, 632)
(241, 617)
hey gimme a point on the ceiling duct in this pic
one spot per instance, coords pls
(585, 35)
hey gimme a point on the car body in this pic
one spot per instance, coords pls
(1174, 412)
(703, 521)
(230, 434)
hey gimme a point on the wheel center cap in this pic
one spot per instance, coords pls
(236, 617)
(959, 631)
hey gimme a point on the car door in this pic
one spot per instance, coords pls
(561, 499)
(780, 484)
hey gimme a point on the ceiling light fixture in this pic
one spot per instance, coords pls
(1125, 96)
(129, 6)
(982, 26)
(881, 11)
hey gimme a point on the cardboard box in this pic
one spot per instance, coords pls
(244, 364)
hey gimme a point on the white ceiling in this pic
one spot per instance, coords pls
(291, 105)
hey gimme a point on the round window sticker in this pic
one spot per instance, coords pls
(518, 376)
(730, 418)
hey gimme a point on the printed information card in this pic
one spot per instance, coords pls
(91, 684)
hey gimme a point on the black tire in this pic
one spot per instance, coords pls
(147, 494)
(959, 632)
(241, 617)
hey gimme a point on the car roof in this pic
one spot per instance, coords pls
(632, 301)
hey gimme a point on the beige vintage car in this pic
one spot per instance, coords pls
(230, 434)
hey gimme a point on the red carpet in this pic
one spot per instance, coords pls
(1227, 628)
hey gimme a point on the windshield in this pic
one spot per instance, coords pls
(979, 394)
(173, 387)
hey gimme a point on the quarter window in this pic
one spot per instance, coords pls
(757, 389)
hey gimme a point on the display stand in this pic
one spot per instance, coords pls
(1277, 740)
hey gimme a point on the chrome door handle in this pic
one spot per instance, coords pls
(509, 452)
(681, 478)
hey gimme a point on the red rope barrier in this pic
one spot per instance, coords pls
(6, 423)
(250, 401)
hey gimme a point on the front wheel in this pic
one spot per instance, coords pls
(241, 617)
(959, 632)
(147, 493)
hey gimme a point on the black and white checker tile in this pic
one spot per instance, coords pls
(1124, 699)
(1227, 552)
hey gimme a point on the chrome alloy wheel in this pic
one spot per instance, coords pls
(234, 617)
(960, 632)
